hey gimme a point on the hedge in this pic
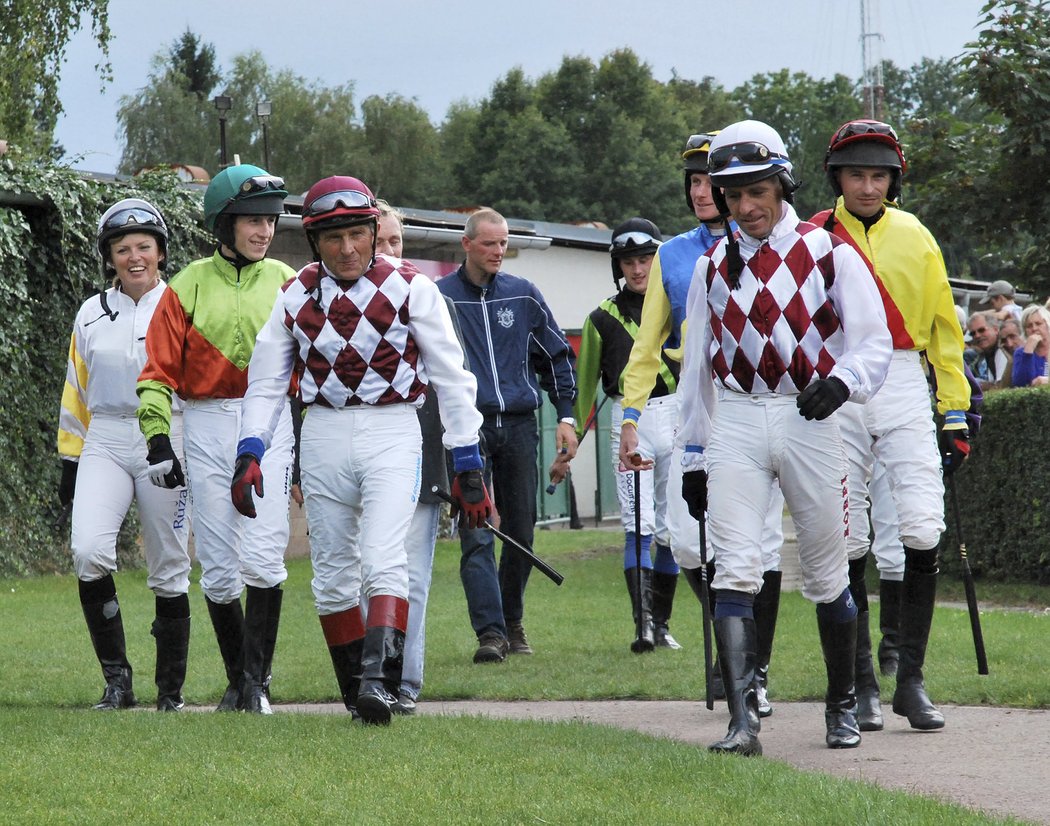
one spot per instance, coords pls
(1005, 510)
(48, 267)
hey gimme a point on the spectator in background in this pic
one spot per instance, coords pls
(1000, 294)
(990, 366)
(1030, 361)
(1010, 338)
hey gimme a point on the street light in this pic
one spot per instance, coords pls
(223, 103)
(263, 109)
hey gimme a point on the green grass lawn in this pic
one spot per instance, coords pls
(65, 764)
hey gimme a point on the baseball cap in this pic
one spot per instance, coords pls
(997, 288)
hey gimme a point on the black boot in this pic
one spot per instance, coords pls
(664, 587)
(228, 621)
(869, 709)
(345, 632)
(382, 657)
(273, 621)
(918, 591)
(838, 641)
(259, 608)
(889, 625)
(102, 611)
(737, 641)
(692, 576)
(173, 645)
(641, 601)
(767, 607)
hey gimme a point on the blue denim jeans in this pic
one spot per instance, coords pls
(495, 598)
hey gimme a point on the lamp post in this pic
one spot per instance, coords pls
(263, 109)
(223, 103)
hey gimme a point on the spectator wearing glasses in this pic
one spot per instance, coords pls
(198, 347)
(785, 326)
(865, 165)
(660, 333)
(1030, 359)
(514, 348)
(990, 366)
(365, 335)
(103, 450)
(608, 335)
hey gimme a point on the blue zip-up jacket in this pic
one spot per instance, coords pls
(514, 345)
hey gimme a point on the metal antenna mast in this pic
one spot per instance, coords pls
(874, 91)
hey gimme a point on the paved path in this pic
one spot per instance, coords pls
(991, 759)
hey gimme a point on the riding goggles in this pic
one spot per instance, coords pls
(857, 128)
(749, 153)
(633, 239)
(132, 215)
(344, 198)
(262, 183)
(698, 143)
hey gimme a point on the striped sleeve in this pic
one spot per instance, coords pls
(73, 417)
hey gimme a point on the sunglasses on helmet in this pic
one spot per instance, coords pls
(856, 128)
(132, 215)
(697, 143)
(748, 153)
(345, 198)
(632, 239)
(261, 183)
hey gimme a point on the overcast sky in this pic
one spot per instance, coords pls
(441, 52)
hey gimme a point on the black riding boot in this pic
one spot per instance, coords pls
(918, 592)
(173, 644)
(869, 711)
(838, 641)
(889, 625)
(664, 587)
(641, 601)
(766, 607)
(228, 621)
(262, 612)
(345, 632)
(98, 600)
(692, 576)
(382, 657)
(737, 641)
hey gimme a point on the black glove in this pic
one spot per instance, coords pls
(471, 499)
(955, 447)
(164, 468)
(247, 476)
(67, 487)
(822, 398)
(694, 492)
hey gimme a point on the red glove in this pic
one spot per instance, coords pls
(472, 501)
(247, 476)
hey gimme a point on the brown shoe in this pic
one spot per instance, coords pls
(519, 643)
(492, 648)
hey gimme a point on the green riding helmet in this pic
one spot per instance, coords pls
(241, 190)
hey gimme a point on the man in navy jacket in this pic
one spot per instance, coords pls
(514, 348)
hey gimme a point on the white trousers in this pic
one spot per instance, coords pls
(754, 440)
(233, 550)
(112, 472)
(361, 469)
(885, 528)
(656, 442)
(896, 428)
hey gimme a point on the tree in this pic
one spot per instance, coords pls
(33, 41)
(1007, 68)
